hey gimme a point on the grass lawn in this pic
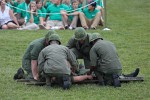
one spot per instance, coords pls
(129, 23)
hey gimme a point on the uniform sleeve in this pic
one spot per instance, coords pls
(71, 43)
(35, 51)
(93, 57)
(72, 58)
(41, 61)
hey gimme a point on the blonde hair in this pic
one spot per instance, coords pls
(32, 2)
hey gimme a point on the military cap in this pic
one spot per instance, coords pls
(54, 37)
(49, 34)
(95, 36)
(80, 33)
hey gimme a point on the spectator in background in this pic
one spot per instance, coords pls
(7, 18)
(90, 17)
(100, 6)
(15, 4)
(82, 4)
(55, 20)
(67, 2)
(47, 3)
(34, 17)
(73, 14)
(22, 12)
(40, 6)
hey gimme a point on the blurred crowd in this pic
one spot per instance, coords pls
(50, 14)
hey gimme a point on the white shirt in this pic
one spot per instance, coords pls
(4, 16)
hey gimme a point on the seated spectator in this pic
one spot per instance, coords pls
(72, 15)
(55, 18)
(7, 18)
(40, 6)
(22, 12)
(82, 4)
(15, 4)
(90, 16)
(67, 2)
(9, 3)
(34, 17)
(47, 3)
(100, 7)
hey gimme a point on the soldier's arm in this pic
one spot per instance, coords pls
(93, 57)
(71, 43)
(34, 68)
(72, 59)
(34, 62)
(41, 61)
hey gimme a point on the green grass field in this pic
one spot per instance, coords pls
(129, 23)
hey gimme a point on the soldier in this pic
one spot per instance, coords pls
(29, 61)
(80, 46)
(56, 61)
(105, 61)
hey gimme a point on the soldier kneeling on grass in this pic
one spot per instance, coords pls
(56, 62)
(105, 61)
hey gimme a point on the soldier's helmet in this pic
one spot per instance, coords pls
(55, 37)
(80, 33)
(95, 36)
(49, 34)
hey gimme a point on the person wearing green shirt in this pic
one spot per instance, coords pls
(40, 6)
(30, 58)
(47, 3)
(34, 18)
(100, 6)
(22, 12)
(55, 17)
(90, 17)
(72, 19)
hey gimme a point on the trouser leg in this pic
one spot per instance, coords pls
(100, 78)
(74, 22)
(83, 20)
(96, 20)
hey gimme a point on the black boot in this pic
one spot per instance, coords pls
(100, 80)
(133, 74)
(19, 74)
(48, 82)
(116, 82)
(66, 82)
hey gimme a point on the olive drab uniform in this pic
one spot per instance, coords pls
(81, 50)
(32, 53)
(53, 60)
(104, 56)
